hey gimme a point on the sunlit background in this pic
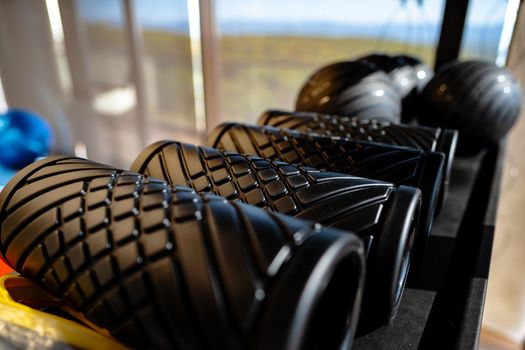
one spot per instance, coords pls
(115, 75)
(150, 69)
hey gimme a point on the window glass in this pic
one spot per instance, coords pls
(162, 106)
(104, 26)
(168, 62)
(483, 29)
(269, 47)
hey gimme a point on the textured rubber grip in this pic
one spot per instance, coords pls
(164, 267)
(397, 165)
(351, 203)
(423, 138)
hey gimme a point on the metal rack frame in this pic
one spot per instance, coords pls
(443, 306)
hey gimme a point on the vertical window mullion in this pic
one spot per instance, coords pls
(210, 50)
(76, 49)
(509, 26)
(3, 102)
(136, 53)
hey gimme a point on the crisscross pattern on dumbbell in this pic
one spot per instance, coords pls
(418, 137)
(397, 165)
(154, 264)
(332, 199)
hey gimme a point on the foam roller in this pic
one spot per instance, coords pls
(400, 166)
(163, 267)
(422, 138)
(383, 215)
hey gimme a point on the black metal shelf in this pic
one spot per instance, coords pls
(443, 304)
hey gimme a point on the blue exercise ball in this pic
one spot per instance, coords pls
(24, 137)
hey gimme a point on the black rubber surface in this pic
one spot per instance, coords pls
(366, 207)
(401, 166)
(409, 75)
(423, 72)
(402, 76)
(418, 137)
(355, 88)
(479, 99)
(164, 267)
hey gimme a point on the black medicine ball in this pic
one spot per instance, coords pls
(479, 99)
(351, 88)
(408, 74)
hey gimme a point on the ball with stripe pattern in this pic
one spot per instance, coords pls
(479, 99)
(351, 88)
(408, 74)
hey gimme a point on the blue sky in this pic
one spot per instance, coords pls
(355, 12)
(334, 11)
(157, 12)
(401, 20)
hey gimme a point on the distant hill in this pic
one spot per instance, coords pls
(480, 40)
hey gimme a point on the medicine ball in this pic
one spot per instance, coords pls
(479, 99)
(402, 76)
(408, 74)
(351, 88)
(422, 72)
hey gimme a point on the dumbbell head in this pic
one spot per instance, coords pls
(367, 207)
(163, 267)
(479, 99)
(422, 138)
(351, 87)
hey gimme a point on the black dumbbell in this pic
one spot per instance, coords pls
(383, 215)
(426, 139)
(163, 267)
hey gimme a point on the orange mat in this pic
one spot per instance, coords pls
(4, 268)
